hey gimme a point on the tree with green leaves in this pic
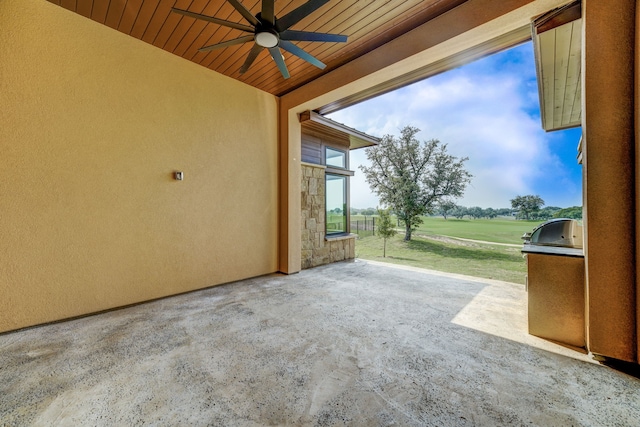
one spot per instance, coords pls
(526, 205)
(412, 177)
(574, 212)
(545, 213)
(445, 207)
(504, 211)
(490, 213)
(476, 212)
(459, 212)
(385, 228)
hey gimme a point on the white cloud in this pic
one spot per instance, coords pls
(482, 112)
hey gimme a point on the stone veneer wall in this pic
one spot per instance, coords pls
(315, 249)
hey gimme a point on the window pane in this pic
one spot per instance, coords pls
(335, 158)
(336, 202)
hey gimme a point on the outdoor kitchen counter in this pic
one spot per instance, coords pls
(552, 250)
(555, 285)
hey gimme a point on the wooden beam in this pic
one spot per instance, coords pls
(363, 139)
(558, 17)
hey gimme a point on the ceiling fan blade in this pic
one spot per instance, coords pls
(305, 36)
(298, 14)
(244, 12)
(222, 22)
(295, 50)
(268, 11)
(228, 43)
(253, 54)
(277, 56)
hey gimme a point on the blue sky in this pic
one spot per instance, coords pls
(488, 111)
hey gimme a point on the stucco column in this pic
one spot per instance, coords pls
(608, 126)
(290, 148)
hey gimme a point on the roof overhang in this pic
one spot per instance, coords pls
(557, 40)
(357, 139)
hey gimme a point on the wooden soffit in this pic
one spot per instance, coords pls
(557, 39)
(368, 25)
(318, 124)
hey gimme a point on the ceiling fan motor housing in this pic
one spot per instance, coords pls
(266, 34)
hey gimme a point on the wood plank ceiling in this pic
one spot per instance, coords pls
(558, 50)
(367, 23)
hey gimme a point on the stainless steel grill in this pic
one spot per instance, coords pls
(561, 232)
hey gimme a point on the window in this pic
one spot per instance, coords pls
(336, 191)
(336, 203)
(335, 158)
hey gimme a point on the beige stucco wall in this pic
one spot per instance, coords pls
(92, 125)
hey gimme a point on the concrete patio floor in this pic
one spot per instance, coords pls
(358, 343)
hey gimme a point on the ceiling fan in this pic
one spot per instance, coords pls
(270, 32)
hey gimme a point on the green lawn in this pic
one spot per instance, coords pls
(499, 230)
(449, 255)
(431, 248)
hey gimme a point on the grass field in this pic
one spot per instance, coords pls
(432, 247)
(497, 230)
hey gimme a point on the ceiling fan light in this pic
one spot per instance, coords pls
(266, 39)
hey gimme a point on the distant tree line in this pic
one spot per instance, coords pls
(365, 212)
(452, 210)
(574, 212)
(543, 214)
(528, 207)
